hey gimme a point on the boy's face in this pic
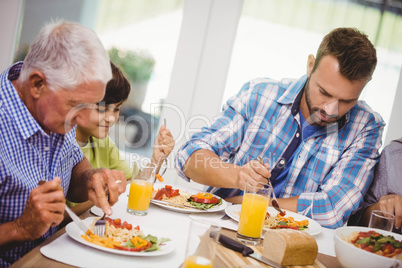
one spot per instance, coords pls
(102, 118)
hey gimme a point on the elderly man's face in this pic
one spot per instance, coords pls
(59, 111)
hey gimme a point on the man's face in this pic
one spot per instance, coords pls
(328, 95)
(59, 111)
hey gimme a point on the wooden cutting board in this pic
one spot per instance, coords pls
(229, 258)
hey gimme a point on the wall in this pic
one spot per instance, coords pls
(10, 11)
(395, 122)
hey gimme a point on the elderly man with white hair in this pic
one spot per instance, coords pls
(41, 100)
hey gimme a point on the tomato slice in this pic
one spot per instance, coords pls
(204, 195)
(159, 194)
(168, 187)
(167, 191)
(127, 225)
(175, 192)
(212, 200)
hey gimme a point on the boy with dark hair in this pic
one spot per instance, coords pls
(93, 139)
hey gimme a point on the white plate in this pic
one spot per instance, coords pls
(158, 186)
(314, 227)
(75, 233)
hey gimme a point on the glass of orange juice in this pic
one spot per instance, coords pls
(141, 187)
(201, 247)
(252, 214)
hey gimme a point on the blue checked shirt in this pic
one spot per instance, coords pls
(27, 155)
(330, 171)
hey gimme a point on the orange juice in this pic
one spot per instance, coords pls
(140, 195)
(197, 262)
(252, 215)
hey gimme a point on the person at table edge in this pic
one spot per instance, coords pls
(385, 193)
(319, 142)
(41, 100)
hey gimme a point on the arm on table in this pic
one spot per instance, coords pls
(388, 203)
(205, 167)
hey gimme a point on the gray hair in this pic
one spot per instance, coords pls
(68, 54)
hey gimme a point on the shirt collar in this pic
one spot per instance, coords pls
(24, 121)
(293, 94)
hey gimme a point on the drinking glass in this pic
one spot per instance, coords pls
(253, 212)
(381, 220)
(201, 247)
(141, 187)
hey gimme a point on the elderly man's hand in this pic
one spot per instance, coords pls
(254, 173)
(45, 208)
(393, 204)
(105, 186)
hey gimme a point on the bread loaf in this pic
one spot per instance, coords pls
(290, 247)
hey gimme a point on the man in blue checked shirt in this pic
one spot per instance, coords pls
(319, 143)
(41, 100)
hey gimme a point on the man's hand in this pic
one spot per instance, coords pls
(254, 173)
(392, 204)
(105, 186)
(44, 208)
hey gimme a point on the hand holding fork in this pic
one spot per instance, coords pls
(274, 200)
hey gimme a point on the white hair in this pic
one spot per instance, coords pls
(68, 54)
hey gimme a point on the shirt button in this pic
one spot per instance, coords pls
(282, 162)
(297, 135)
(47, 148)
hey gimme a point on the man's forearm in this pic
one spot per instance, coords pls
(366, 214)
(9, 236)
(78, 191)
(289, 203)
(207, 168)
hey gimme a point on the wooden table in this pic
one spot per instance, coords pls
(226, 258)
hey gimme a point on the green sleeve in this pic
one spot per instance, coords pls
(117, 161)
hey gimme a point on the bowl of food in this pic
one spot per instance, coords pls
(357, 247)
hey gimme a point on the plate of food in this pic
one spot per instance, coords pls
(365, 247)
(273, 220)
(184, 200)
(122, 238)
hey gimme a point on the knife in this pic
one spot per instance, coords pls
(77, 220)
(244, 250)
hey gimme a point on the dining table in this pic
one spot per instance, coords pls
(63, 250)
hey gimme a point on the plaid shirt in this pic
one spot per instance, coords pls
(330, 171)
(27, 155)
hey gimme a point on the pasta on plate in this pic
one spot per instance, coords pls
(122, 236)
(375, 242)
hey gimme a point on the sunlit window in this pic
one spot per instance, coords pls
(143, 33)
(275, 37)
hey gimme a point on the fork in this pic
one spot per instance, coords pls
(162, 159)
(274, 201)
(100, 225)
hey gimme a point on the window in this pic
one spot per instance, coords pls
(275, 37)
(148, 28)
